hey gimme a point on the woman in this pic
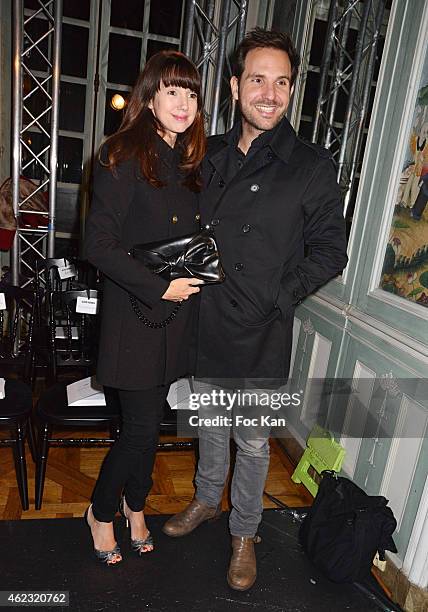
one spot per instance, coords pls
(145, 189)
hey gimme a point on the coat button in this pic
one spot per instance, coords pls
(174, 219)
(197, 217)
(239, 266)
(255, 187)
(215, 222)
(234, 303)
(246, 228)
(221, 183)
(297, 296)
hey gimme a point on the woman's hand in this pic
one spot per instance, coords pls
(180, 288)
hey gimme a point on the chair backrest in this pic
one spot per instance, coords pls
(46, 281)
(59, 275)
(48, 278)
(72, 335)
(16, 327)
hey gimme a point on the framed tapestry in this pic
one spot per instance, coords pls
(405, 264)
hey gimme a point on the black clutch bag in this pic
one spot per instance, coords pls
(191, 256)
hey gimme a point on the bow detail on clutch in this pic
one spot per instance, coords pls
(191, 256)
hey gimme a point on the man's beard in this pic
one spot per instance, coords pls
(259, 123)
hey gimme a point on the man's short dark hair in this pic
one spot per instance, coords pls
(260, 38)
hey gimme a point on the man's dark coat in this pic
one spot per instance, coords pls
(281, 235)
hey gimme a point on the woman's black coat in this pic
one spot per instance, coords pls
(126, 210)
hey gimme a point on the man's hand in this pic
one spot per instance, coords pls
(180, 288)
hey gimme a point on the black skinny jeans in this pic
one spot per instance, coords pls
(129, 464)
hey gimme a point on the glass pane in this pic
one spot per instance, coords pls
(32, 4)
(67, 247)
(113, 116)
(351, 42)
(72, 107)
(123, 59)
(370, 107)
(37, 143)
(379, 52)
(34, 58)
(74, 52)
(336, 139)
(311, 93)
(67, 211)
(153, 46)
(165, 17)
(127, 14)
(342, 103)
(305, 129)
(317, 44)
(70, 159)
(78, 10)
(35, 104)
(351, 206)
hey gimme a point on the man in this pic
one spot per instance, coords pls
(275, 206)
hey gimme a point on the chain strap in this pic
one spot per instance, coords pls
(146, 321)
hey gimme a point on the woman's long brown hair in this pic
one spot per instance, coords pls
(137, 134)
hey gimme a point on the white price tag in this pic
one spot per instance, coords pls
(2, 301)
(67, 271)
(86, 305)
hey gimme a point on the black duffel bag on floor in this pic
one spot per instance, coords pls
(345, 528)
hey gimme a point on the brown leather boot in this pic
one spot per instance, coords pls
(242, 568)
(191, 517)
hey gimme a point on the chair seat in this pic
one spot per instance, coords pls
(17, 401)
(53, 408)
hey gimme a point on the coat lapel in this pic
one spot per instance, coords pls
(280, 146)
(257, 161)
(218, 161)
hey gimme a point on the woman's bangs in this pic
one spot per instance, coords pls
(181, 75)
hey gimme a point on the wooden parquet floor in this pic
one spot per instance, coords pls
(72, 473)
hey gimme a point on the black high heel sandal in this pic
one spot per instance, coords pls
(136, 545)
(104, 556)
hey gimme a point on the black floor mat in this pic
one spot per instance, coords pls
(187, 574)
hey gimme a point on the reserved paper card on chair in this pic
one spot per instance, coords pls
(2, 392)
(179, 394)
(87, 305)
(85, 392)
(67, 271)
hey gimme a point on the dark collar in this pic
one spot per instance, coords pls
(284, 140)
(168, 155)
(281, 140)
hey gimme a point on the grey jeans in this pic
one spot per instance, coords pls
(250, 471)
